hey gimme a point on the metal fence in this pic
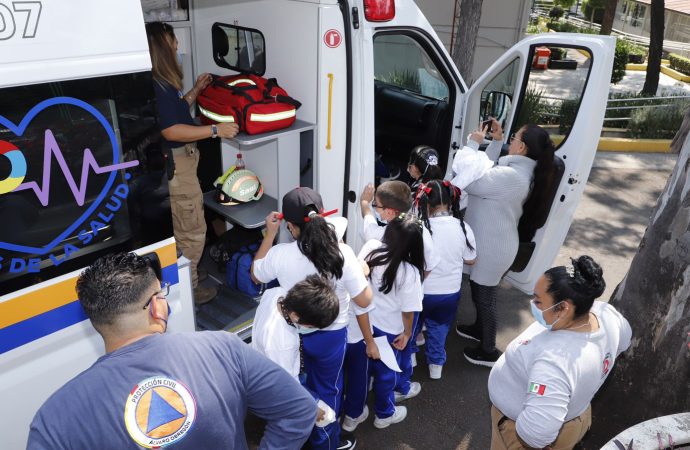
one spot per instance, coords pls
(618, 109)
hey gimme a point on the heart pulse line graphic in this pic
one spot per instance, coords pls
(90, 207)
(51, 148)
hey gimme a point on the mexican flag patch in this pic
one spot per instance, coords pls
(536, 388)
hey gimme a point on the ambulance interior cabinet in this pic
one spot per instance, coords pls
(281, 159)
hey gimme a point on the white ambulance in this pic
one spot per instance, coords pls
(82, 172)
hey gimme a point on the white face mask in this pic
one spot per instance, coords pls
(539, 315)
(304, 330)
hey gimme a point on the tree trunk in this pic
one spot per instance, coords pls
(652, 378)
(609, 15)
(469, 13)
(656, 44)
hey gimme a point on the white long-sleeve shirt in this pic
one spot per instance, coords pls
(546, 378)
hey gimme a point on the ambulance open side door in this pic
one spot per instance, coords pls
(406, 91)
(559, 81)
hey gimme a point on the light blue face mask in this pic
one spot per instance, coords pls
(179, 58)
(539, 315)
(378, 217)
(304, 330)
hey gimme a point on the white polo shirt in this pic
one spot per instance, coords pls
(406, 295)
(546, 378)
(451, 248)
(271, 334)
(286, 263)
(372, 230)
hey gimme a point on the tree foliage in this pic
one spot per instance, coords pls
(556, 12)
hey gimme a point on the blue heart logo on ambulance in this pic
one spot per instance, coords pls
(99, 134)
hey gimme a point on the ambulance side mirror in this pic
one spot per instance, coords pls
(238, 48)
(495, 104)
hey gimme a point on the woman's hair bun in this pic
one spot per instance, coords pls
(589, 277)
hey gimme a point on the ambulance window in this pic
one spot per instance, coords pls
(238, 48)
(552, 93)
(81, 175)
(400, 61)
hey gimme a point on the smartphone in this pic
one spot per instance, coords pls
(487, 123)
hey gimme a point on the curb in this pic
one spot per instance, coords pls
(627, 145)
(665, 69)
(634, 145)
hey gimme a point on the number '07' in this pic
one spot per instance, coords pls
(26, 13)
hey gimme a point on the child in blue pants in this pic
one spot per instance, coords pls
(438, 204)
(360, 348)
(388, 201)
(397, 264)
(316, 250)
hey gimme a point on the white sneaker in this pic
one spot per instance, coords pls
(413, 359)
(420, 339)
(415, 388)
(435, 371)
(398, 416)
(349, 424)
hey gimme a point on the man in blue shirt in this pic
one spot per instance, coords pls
(151, 389)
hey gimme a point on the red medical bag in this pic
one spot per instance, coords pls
(255, 103)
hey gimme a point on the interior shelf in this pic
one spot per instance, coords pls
(248, 215)
(244, 139)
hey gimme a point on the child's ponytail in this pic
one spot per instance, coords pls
(318, 242)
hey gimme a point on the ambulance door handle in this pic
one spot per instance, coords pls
(355, 18)
(351, 196)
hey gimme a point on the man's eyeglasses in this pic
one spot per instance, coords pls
(162, 293)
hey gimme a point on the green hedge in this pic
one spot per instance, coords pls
(679, 63)
(620, 59)
(658, 122)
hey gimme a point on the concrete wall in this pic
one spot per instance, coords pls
(502, 24)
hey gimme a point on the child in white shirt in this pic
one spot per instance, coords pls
(387, 202)
(397, 264)
(282, 316)
(439, 208)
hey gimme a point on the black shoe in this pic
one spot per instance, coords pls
(480, 357)
(347, 441)
(470, 332)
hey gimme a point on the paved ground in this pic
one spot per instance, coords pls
(453, 413)
(634, 81)
(567, 84)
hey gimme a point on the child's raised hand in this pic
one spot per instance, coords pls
(401, 341)
(373, 350)
(367, 194)
(273, 223)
